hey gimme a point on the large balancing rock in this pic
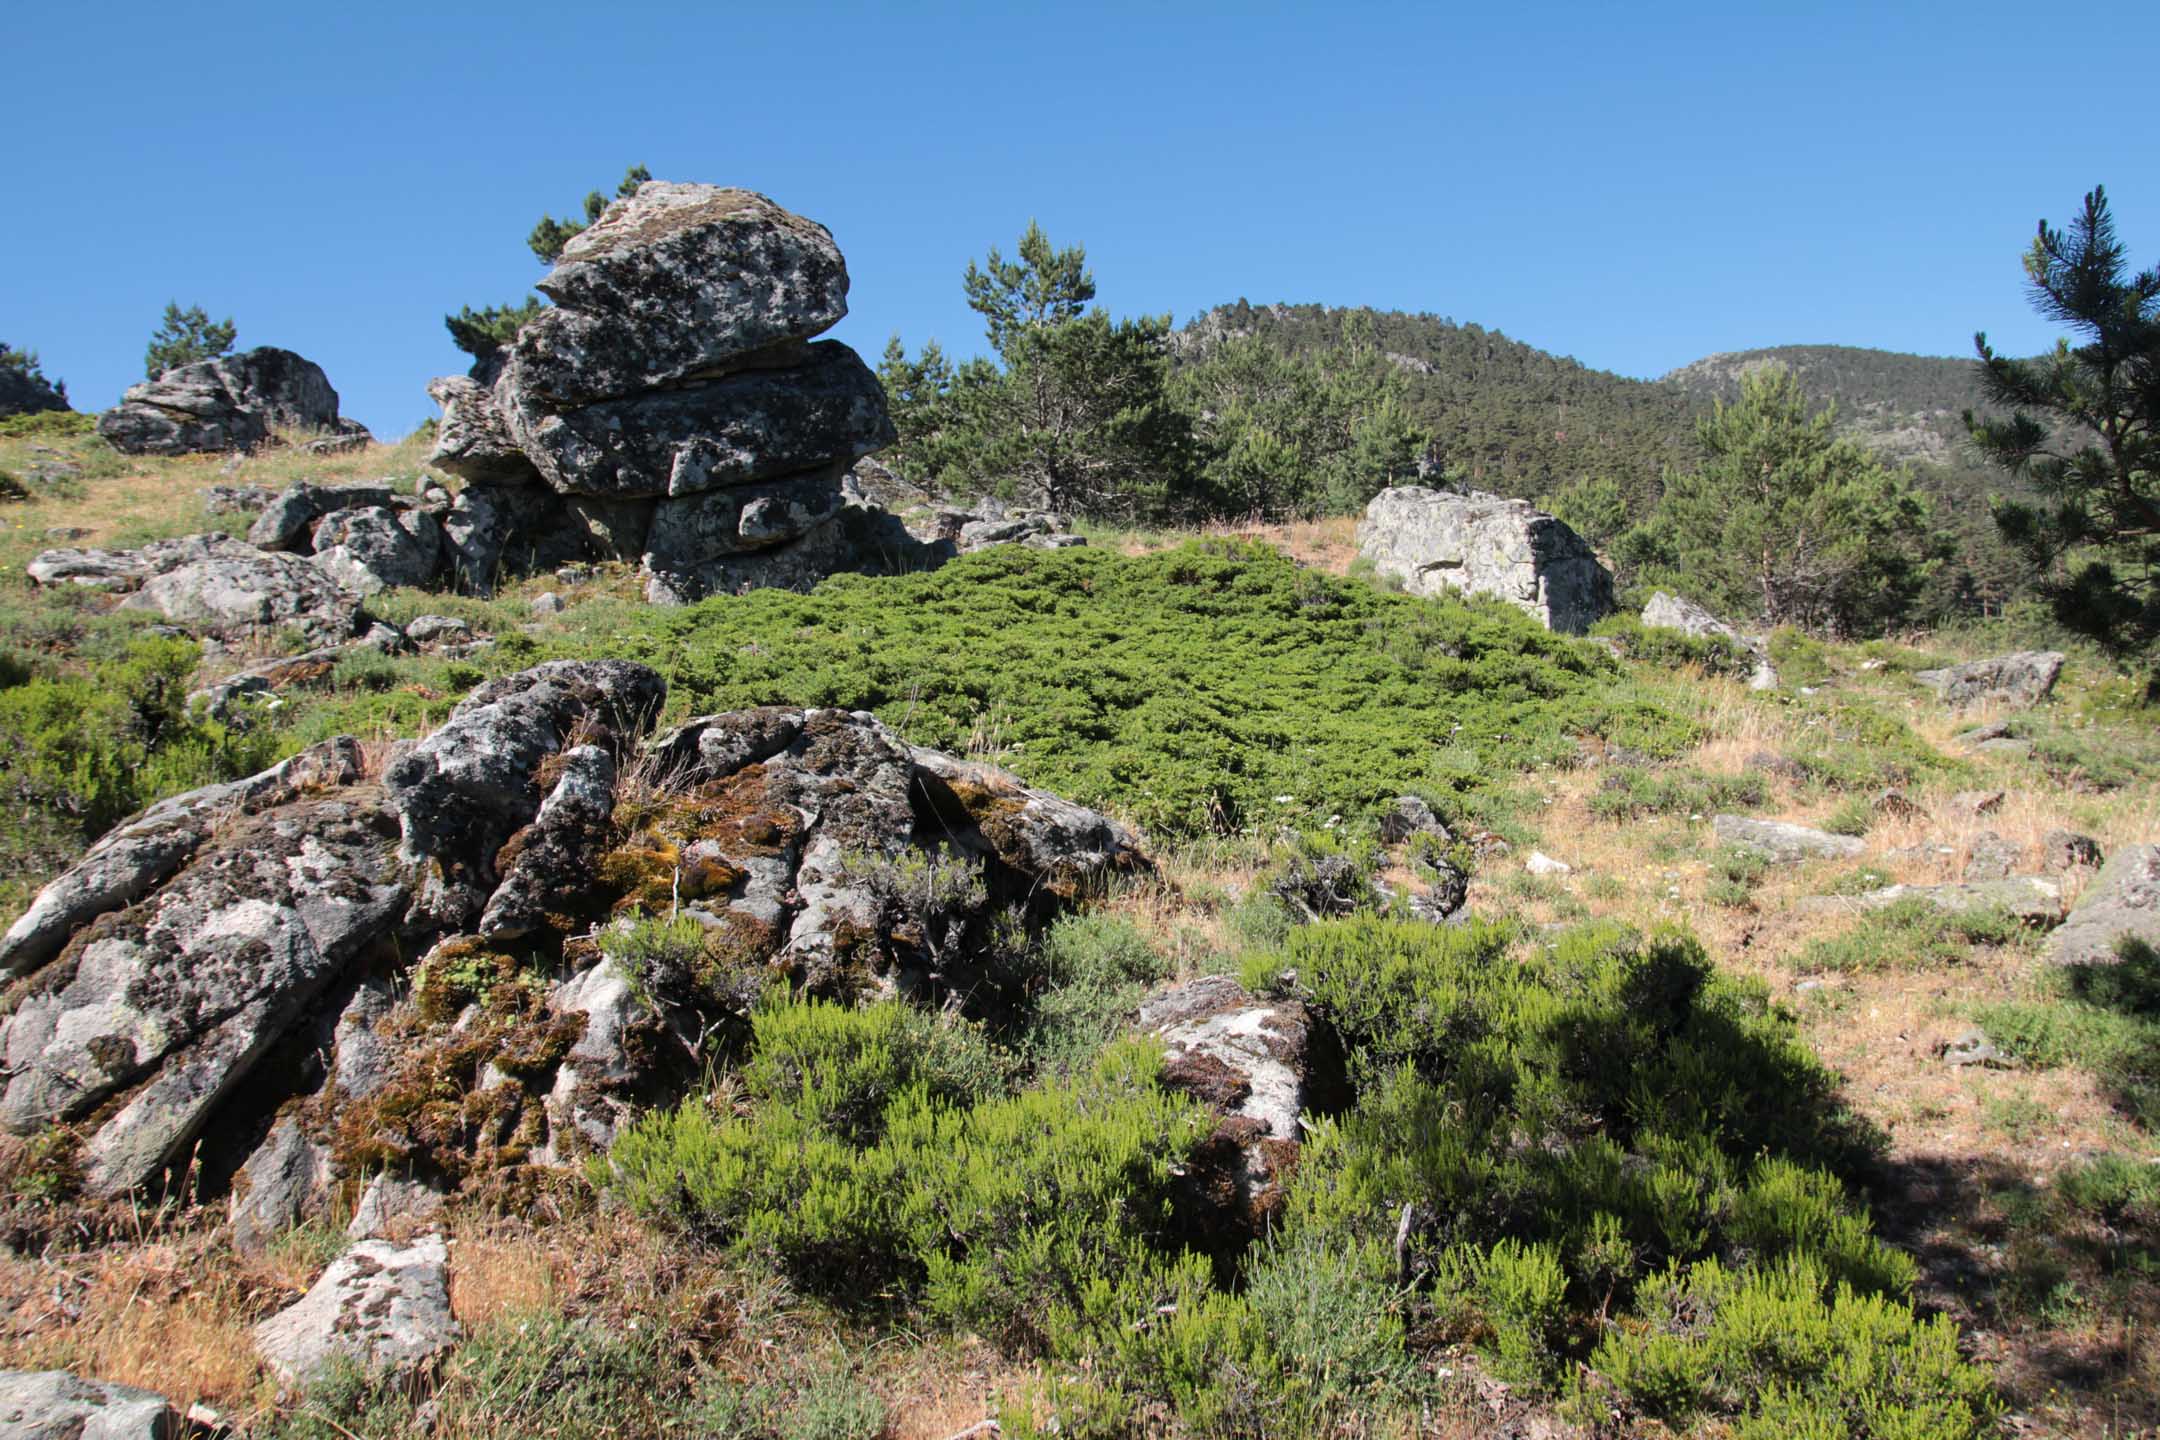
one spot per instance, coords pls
(677, 283)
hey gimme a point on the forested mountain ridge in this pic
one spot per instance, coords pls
(1507, 416)
(1906, 407)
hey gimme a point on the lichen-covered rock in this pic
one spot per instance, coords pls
(2032, 899)
(382, 1306)
(238, 499)
(1247, 1060)
(1993, 858)
(235, 402)
(551, 861)
(493, 531)
(691, 530)
(289, 521)
(471, 439)
(2123, 902)
(2015, 682)
(464, 790)
(1781, 842)
(676, 283)
(374, 547)
(2068, 850)
(1670, 612)
(169, 1004)
(55, 1405)
(212, 584)
(138, 853)
(749, 426)
(284, 1180)
(1440, 541)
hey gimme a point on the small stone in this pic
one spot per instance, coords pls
(386, 1307)
(1973, 1047)
(2068, 850)
(1993, 858)
(1410, 816)
(547, 603)
(1977, 802)
(438, 630)
(1540, 863)
(1782, 842)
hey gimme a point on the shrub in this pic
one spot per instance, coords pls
(1038, 1218)
(1785, 1349)
(2103, 1019)
(1084, 979)
(1545, 1126)
(1734, 874)
(1675, 649)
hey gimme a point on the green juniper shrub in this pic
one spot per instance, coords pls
(1540, 1126)
(1187, 689)
(1909, 934)
(2103, 1019)
(869, 1166)
(1854, 745)
(534, 1372)
(1853, 816)
(1786, 1348)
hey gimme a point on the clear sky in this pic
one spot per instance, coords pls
(1635, 185)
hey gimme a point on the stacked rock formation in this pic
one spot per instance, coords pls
(235, 402)
(1473, 543)
(672, 406)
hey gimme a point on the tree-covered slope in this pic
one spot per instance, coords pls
(1508, 416)
(1908, 407)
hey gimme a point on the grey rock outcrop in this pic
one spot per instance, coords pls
(140, 853)
(1670, 612)
(2123, 902)
(288, 521)
(235, 402)
(1781, 842)
(55, 1405)
(463, 791)
(679, 283)
(1438, 541)
(227, 981)
(2016, 682)
(673, 404)
(384, 1307)
(212, 584)
(283, 1181)
(374, 547)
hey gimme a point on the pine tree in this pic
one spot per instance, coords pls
(1786, 522)
(1073, 415)
(186, 336)
(2084, 429)
(482, 332)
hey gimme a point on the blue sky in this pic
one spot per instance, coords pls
(1633, 185)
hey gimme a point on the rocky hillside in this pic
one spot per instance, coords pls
(1193, 988)
(1908, 407)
